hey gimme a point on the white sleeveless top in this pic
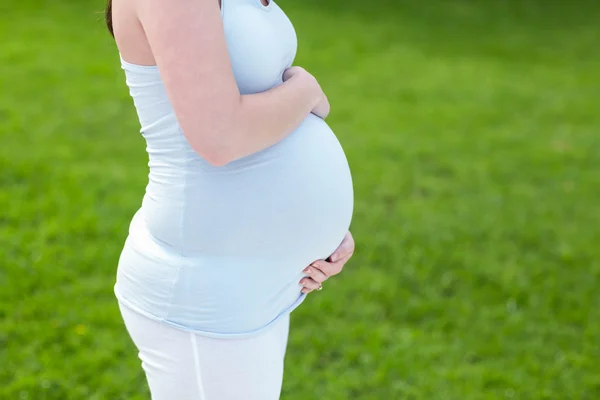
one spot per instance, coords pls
(220, 250)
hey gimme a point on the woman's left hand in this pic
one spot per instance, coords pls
(319, 271)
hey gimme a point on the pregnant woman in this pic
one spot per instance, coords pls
(249, 198)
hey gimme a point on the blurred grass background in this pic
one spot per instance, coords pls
(472, 131)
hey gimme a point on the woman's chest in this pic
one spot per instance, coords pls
(261, 41)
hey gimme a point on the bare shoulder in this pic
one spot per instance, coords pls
(129, 33)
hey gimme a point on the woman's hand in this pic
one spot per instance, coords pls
(320, 270)
(322, 108)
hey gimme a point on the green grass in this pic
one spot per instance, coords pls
(472, 132)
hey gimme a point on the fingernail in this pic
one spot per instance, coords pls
(309, 270)
(304, 291)
(333, 257)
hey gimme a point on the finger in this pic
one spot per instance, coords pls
(347, 246)
(315, 273)
(330, 269)
(309, 284)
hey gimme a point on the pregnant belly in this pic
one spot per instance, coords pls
(292, 200)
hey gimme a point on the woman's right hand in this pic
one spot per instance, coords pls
(322, 108)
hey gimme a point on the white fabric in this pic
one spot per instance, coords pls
(182, 365)
(220, 250)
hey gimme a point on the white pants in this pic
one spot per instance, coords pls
(181, 365)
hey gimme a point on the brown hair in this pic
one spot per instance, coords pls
(108, 17)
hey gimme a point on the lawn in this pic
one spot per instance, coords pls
(472, 130)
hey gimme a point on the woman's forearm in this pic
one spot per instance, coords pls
(263, 119)
(266, 118)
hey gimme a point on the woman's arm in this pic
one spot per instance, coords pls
(189, 47)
